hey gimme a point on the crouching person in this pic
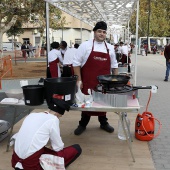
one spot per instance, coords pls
(37, 129)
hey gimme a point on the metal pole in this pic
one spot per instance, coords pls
(124, 34)
(81, 31)
(149, 9)
(47, 29)
(136, 46)
(47, 36)
(62, 34)
(128, 33)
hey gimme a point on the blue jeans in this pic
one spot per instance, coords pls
(167, 69)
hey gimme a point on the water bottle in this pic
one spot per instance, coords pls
(121, 134)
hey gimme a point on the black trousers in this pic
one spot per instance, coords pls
(66, 71)
(86, 118)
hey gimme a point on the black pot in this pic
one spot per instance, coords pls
(33, 94)
(61, 88)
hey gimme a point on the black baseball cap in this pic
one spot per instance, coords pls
(58, 105)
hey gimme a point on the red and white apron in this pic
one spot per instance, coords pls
(124, 59)
(32, 162)
(98, 63)
(54, 70)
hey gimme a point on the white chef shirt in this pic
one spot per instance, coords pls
(129, 47)
(54, 54)
(69, 56)
(124, 50)
(63, 51)
(35, 132)
(85, 49)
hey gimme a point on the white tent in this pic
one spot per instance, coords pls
(113, 12)
(116, 12)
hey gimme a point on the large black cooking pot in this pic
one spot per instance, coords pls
(33, 94)
(62, 88)
(110, 81)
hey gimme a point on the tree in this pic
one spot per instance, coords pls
(38, 14)
(21, 10)
(15, 30)
(10, 12)
(56, 20)
(159, 25)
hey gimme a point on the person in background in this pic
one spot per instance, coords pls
(146, 49)
(167, 57)
(72, 45)
(125, 52)
(27, 49)
(118, 52)
(36, 130)
(93, 58)
(23, 49)
(63, 48)
(131, 48)
(154, 49)
(54, 60)
(68, 61)
(31, 51)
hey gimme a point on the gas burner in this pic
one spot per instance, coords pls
(114, 90)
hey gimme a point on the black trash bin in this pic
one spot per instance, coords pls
(33, 94)
(62, 88)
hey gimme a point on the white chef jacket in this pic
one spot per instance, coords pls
(124, 50)
(35, 132)
(63, 51)
(129, 47)
(69, 56)
(85, 49)
(54, 54)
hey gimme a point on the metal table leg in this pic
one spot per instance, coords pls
(127, 134)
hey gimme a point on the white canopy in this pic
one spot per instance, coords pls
(117, 12)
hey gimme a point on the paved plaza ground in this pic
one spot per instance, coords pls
(104, 151)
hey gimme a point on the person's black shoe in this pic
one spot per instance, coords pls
(107, 128)
(79, 130)
(165, 79)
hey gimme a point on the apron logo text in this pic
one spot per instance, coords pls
(100, 58)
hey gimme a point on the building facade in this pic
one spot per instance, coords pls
(74, 32)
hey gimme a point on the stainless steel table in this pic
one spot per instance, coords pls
(132, 106)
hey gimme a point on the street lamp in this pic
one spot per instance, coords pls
(149, 11)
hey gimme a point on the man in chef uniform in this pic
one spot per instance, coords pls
(63, 48)
(93, 58)
(34, 134)
(68, 61)
(54, 60)
(125, 51)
